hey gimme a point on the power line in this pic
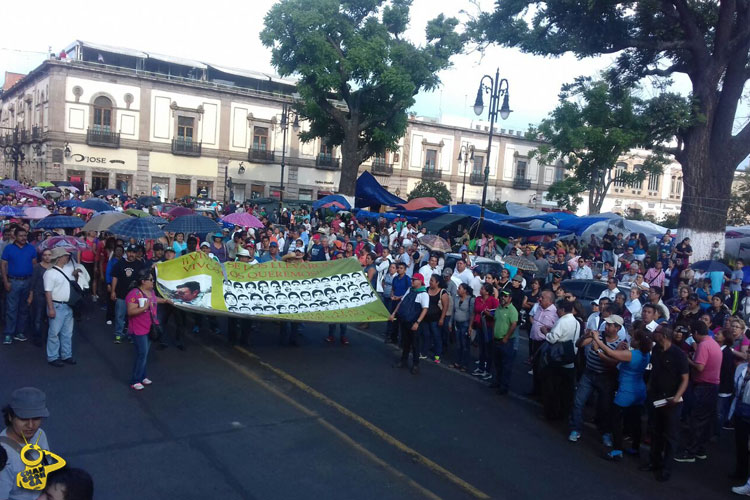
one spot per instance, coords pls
(23, 51)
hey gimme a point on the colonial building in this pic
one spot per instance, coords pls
(147, 123)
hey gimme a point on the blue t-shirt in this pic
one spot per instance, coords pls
(401, 285)
(20, 260)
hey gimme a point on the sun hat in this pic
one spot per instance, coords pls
(615, 319)
(58, 252)
(241, 252)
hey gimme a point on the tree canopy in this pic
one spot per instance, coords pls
(707, 41)
(594, 125)
(433, 189)
(357, 73)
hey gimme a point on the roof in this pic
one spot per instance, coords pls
(11, 79)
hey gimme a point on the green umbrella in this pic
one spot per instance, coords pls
(136, 212)
(45, 184)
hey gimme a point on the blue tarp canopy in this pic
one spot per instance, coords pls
(331, 198)
(370, 193)
(579, 224)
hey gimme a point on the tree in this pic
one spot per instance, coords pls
(433, 189)
(739, 206)
(592, 127)
(357, 73)
(669, 221)
(497, 206)
(707, 41)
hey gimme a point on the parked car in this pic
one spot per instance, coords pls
(588, 290)
(485, 265)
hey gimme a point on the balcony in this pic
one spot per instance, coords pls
(476, 179)
(261, 155)
(184, 147)
(25, 135)
(102, 137)
(431, 174)
(327, 162)
(521, 183)
(36, 133)
(382, 168)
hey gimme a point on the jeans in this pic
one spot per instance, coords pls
(17, 309)
(665, 428)
(722, 412)
(463, 343)
(410, 341)
(60, 335)
(628, 417)
(484, 339)
(505, 353)
(431, 334)
(163, 313)
(288, 330)
(702, 417)
(342, 330)
(391, 328)
(121, 310)
(608, 256)
(38, 317)
(604, 385)
(141, 344)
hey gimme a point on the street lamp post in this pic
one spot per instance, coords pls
(495, 89)
(285, 112)
(467, 153)
(14, 150)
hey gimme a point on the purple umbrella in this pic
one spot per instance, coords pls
(29, 193)
(35, 213)
(243, 219)
(67, 242)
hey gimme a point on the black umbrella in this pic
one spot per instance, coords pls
(148, 201)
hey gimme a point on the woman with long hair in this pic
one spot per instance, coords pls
(484, 323)
(463, 312)
(435, 318)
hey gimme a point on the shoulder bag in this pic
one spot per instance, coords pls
(155, 332)
(76, 294)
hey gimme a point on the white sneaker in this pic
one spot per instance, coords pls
(146, 381)
(137, 386)
(94, 298)
(742, 490)
(109, 321)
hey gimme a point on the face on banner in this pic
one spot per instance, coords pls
(332, 291)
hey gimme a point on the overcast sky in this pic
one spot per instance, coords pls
(226, 32)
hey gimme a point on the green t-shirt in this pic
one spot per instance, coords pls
(504, 317)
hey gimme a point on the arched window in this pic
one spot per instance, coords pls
(102, 114)
(620, 168)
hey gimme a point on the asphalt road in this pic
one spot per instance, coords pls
(317, 421)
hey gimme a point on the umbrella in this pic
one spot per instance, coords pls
(435, 243)
(179, 212)
(137, 228)
(10, 211)
(333, 205)
(62, 183)
(159, 221)
(45, 184)
(243, 219)
(97, 205)
(72, 189)
(192, 224)
(102, 222)
(148, 200)
(710, 266)
(70, 203)
(52, 194)
(67, 242)
(10, 183)
(35, 213)
(135, 212)
(29, 193)
(60, 221)
(521, 263)
(108, 192)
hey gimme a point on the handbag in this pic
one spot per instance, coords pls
(558, 354)
(76, 294)
(155, 332)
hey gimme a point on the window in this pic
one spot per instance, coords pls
(378, 159)
(102, 114)
(521, 169)
(99, 181)
(478, 164)
(260, 138)
(620, 168)
(653, 182)
(305, 194)
(676, 187)
(559, 174)
(256, 191)
(636, 184)
(185, 128)
(326, 151)
(430, 159)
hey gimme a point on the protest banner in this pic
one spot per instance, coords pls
(327, 292)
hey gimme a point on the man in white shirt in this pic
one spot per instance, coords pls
(57, 289)
(558, 381)
(476, 282)
(404, 257)
(649, 313)
(592, 323)
(583, 272)
(462, 273)
(430, 268)
(611, 291)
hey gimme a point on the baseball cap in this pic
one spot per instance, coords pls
(218, 235)
(595, 302)
(273, 244)
(418, 276)
(243, 253)
(205, 244)
(505, 292)
(615, 319)
(131, 248)
(29, 402)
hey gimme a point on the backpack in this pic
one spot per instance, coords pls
(409, 309)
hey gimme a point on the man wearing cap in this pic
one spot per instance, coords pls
(410, 311)
(272, 254)
(600, 376)
(123, 275)
(505, 342)
(18, 260)
(23, 421)
(57, 291)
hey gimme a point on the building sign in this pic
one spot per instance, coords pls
(325, 179)
(98, 158)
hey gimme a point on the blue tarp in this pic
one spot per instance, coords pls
(328, 199)
(579, 224)
(370, 193)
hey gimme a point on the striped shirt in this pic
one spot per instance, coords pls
(593, 361)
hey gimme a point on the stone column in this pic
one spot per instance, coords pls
(142, 177)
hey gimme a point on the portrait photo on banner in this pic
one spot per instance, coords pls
(193, 290)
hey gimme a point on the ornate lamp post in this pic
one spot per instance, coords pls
(13, 148)
(466, 153)
(285, 114)
(495, 89)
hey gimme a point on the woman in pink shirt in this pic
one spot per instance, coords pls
(141, 303)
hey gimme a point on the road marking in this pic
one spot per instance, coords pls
(415, 455)
(323, 422)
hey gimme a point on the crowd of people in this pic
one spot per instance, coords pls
(664, 343)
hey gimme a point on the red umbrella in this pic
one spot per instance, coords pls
(333, 204)
(179, 212)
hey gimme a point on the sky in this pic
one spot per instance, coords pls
(227, 34)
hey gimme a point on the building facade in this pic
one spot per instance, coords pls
(147, 123)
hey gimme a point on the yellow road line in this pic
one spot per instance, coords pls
(415, 455)
(327, 425)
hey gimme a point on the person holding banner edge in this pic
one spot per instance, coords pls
(410, 311)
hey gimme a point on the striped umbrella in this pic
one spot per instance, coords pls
(159, 221)
(243, 219)
(138, 228)
(70, 203)
(67, 242)
(188, 224)
(60, 221)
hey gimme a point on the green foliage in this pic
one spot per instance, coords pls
(739, 205)
(357, 73)
(592, 127)
(433, 189)
(497, 206)
(670, 221)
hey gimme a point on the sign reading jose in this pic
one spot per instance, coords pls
(328, 292)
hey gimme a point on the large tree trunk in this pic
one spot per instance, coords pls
(350, 161)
